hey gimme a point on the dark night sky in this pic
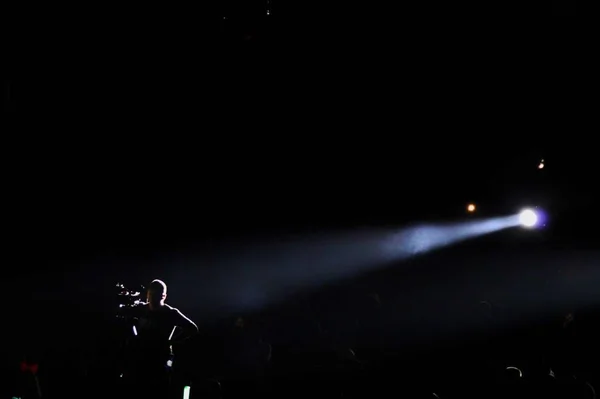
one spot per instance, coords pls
(168, 132)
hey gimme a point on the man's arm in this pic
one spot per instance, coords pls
(187, 328)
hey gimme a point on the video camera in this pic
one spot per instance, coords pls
(127, 298)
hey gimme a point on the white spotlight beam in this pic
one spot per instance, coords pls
(268, 273)
(425, 238)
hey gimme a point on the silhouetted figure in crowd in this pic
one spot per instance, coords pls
(28, 384)
(246, 357)
(156, 327)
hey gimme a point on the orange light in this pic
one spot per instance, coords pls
(471, 208)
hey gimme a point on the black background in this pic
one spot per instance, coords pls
(160, 126)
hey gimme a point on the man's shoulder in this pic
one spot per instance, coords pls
(172, 311)
(170, 308)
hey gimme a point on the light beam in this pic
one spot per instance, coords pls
(259, 274)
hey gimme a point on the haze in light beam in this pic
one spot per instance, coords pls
(424, 238)
(268, 272)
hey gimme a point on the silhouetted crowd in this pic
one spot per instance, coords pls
(308, 347)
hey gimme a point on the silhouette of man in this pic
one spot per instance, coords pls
(156, 327)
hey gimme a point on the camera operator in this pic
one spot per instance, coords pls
(157, 326)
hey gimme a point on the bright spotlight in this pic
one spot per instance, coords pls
(528, 218)
(471, 208)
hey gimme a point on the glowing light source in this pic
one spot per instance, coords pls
(471, 208)
(528, 218)
(186, 392)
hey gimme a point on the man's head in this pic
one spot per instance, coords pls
(157, 292)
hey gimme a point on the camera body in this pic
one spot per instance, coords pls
(127, 298)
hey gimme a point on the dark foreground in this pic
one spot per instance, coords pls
(450, 324)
